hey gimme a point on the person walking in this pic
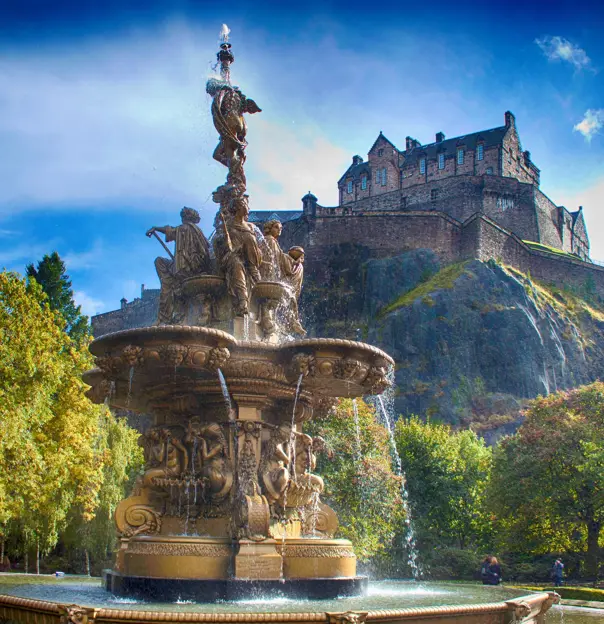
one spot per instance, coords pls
(558, 572)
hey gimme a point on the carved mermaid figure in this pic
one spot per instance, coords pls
(274, 472)
(166, 456)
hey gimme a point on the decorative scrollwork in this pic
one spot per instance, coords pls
(302, 364)
(74, 614)
(132, 355)
(377, 380)
(172, 354)
(110, 365)
(217, 358)
(347, 368)
(141, 519)
(349, 617)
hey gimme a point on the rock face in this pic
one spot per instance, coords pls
(472, 341)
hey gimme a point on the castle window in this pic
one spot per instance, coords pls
(384, 176)
(349, 186)
(378, 176)
(460, 156)
(364, 182)
(441, 161)
(489, 170)
(422, 165)
(479, 151)
(380, 152)
(403, 202)
(434, 194)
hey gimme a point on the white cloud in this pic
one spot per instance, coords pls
(90, 305)
(84, 259)
(286, 162)
(560, 49)
(591, 124)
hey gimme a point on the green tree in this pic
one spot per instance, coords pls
(547, 487)
(447, 472)
(360, 483)
(50, 274)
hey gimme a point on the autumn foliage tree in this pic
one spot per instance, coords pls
(547, 486)
(54, 443)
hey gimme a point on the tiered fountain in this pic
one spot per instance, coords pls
(229, 500)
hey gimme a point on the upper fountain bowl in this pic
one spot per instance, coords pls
(145, 368)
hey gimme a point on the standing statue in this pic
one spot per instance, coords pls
(228, 106)
(274, 473)
(286, 268)
(191, 257)
(237, 252)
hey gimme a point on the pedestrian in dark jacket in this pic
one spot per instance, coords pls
(490, 571)
(558, 572)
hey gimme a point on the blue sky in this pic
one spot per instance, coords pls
(105, 126)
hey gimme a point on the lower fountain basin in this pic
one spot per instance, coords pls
(42, 600)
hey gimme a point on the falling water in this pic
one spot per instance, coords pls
(225, 393)
(314, 511)
(188, 497)
(292, 438)
(130, 378)
(246, 326)
(357, 450)
(292, 473)
(409, 530)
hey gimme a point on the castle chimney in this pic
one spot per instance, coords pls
(440, 137)
(357, 160)
(411, 143)
(123, 302)
(510, 120)
(309, 204)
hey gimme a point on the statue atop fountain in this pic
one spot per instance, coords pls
(229, 496)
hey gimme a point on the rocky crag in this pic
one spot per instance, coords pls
(472, 341)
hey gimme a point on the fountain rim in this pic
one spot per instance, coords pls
(192, 331)
(336, 342)
(19, 609)
(162, 331)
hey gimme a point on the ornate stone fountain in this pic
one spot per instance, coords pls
(229, 500)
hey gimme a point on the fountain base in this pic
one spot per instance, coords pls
(208, 590)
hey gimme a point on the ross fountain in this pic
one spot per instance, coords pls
(229, 505)
(229, 502)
